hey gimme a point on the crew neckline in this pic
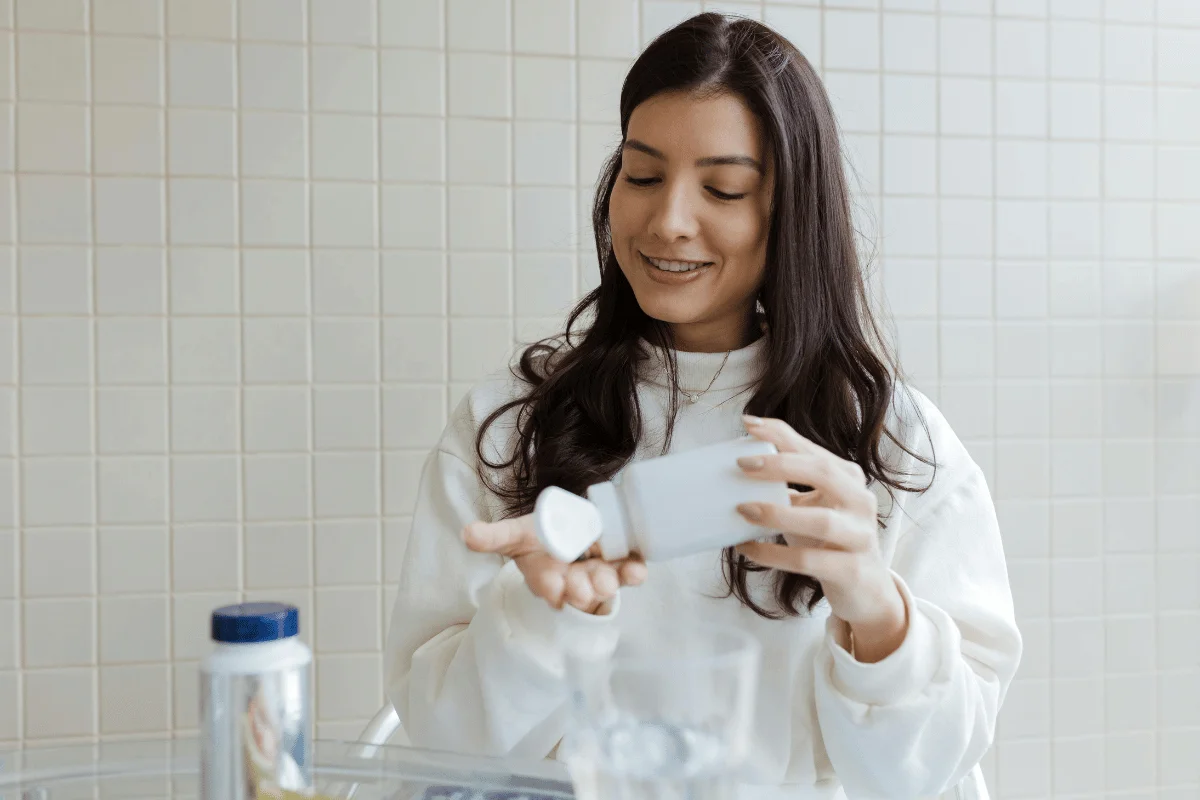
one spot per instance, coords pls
(695, 370)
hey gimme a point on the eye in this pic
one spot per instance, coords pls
(640, 181)
(717, 193)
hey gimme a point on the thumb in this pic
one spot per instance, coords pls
(511, 538)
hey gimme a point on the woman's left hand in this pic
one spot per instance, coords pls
(832, 535)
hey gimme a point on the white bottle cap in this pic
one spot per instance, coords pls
(614, 535)
(566, 524)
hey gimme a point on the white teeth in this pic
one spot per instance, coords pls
(675, 266)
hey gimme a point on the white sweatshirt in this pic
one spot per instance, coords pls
(473, 666)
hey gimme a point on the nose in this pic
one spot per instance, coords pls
(674, 216)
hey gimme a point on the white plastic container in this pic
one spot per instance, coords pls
(255, 704)
(661, 508)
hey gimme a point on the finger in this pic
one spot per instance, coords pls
(838, 487)
(579, 592)
(827, 527)
(632, 572)
(508, 537)
(545, 577)
(787, 440)
(604, 579)
(812, 561)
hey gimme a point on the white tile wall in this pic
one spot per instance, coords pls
(253, 251)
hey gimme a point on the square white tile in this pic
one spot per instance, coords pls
(142, 17)
(131, 420)
(345, 282)
(56, 421)
(600, 89)
(344, 215)
(277, 487)
(480, 218)
(202, 142)
(53, 67)
(273, 145)
(56, 350)
(127, 140)
(211, 20)
(134, 629)
(275, 281)
(403, 92)
(345, 351)
(487, 27)
(343, 147)
(413, 415)
(130, 280)
(52, 138)
(129, 211)
(55, 280)
(276, 349)
(545, 153)
(59, 633)
(66, 700)
(346, 418)
(852, 41)
(607, 28)
(544, 219)
(135, 699)
(343, 79)
(966, 106)
(204, 420)
(276, 418)
(343, 21)
(204, 350)
(273, 77)
(131, 350)
(274, 213)
(201, 211)
(480, 85)
(909, 41)
(412, 149)
(58, 563)
(132, 489)
(347, 485)
(200, 73)
(347, 553)
(542, 26)
(480, 151)
(203, 281)
(133, 560)
(278, 556)
(414, 349)
(204, 558)
(54, 209)
(272, 20)
(347, 620)
(909, 104)
(481, 284)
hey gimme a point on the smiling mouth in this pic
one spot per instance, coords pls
(666, 265)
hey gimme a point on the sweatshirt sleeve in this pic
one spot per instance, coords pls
(472, 657)
(914, 724)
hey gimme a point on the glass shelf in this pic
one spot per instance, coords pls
(139, 770)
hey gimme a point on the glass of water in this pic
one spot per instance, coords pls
(668, 715)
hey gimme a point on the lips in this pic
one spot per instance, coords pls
(675, 265)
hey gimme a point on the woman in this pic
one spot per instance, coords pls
(730, 285)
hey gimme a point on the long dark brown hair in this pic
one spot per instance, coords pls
(827, 373)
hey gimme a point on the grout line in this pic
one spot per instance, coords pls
(380, 390)
(17, 487)
(1154, 391)
(311, 592)
(93, 399)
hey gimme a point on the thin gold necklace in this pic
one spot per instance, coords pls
(692, 395)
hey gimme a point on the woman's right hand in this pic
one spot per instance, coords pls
(588, 584)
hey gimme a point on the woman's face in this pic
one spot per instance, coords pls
(690, 214)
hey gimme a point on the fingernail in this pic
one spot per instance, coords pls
(751, 420)
(751, 462)
(750, 511)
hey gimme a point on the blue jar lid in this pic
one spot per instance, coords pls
(247, 623)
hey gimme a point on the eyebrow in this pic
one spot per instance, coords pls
(710, 161)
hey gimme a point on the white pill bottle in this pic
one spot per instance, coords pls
(662, 508)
